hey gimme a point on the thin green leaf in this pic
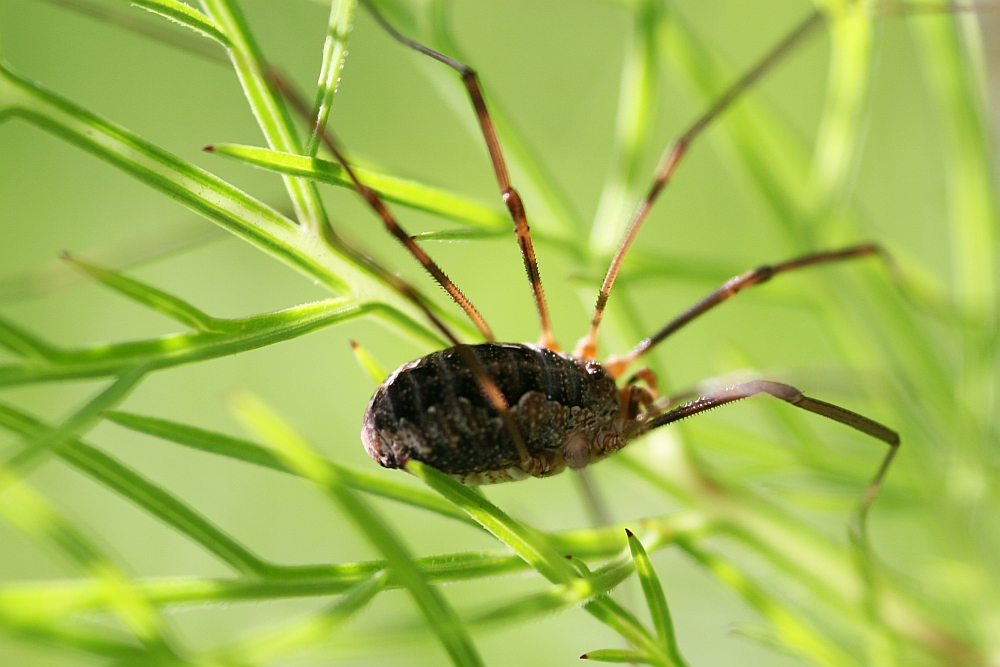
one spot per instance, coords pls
(610, 539)
(24, 344)
(274, 643)
(177, 349)
(185, 15)
(171, 306)
(558, 597)
(617, 655)
(393, 188)
(27, 510)
(799, 637)
(463, 235)
(249, 452)
(338, 268)
(535, 550)
(368, 364)
(54, 599)
(334, 56)
(529, 544)
(624, 622)
(50, 601)
(972, 204)
(441, 618)
(269, 109)
(655, 600)
(628, 626)
(105, 644)
(77, 424)
(137, 489)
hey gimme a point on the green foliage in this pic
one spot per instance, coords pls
(922, 347)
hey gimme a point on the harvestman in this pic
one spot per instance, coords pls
(495, 412)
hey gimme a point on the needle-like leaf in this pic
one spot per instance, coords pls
(249, 452)
(655, 600)
(393, 188)
(185, 15)
(168, 304)
(367, 362)
(334, 56)
(139, 490)
(45, 440)
(274, 643)
(616, 655)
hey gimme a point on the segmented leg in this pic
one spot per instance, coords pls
(376, 203)
(789, 394)
(507, 192)
(615, 365)
(587, 347)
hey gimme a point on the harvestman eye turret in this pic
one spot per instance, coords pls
(496, 412)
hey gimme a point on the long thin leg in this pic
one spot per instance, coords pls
(791, 395)
(615, 365)
(507, 192)
(587, 347)
(376, 203)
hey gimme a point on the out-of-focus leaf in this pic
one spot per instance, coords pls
(243, 450)
(139, 490)
(158, 300)
(441, 618)
(393, 188)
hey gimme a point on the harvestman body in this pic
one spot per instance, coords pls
(567, 410)
(496, 412)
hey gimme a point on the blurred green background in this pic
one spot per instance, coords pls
(555, 68)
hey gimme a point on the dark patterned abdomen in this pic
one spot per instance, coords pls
(432, 410)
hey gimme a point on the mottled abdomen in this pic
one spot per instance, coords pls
(432, 410)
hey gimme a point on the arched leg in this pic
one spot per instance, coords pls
(789, 394)
(507, 192)
(298, 102)
(587, 347)
(616, 365)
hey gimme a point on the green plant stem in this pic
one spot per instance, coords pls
(440, 616)
(56, 599)
(334, 56)
(340, 270)
(50, 364)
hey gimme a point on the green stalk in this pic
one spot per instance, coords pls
(334, 56)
